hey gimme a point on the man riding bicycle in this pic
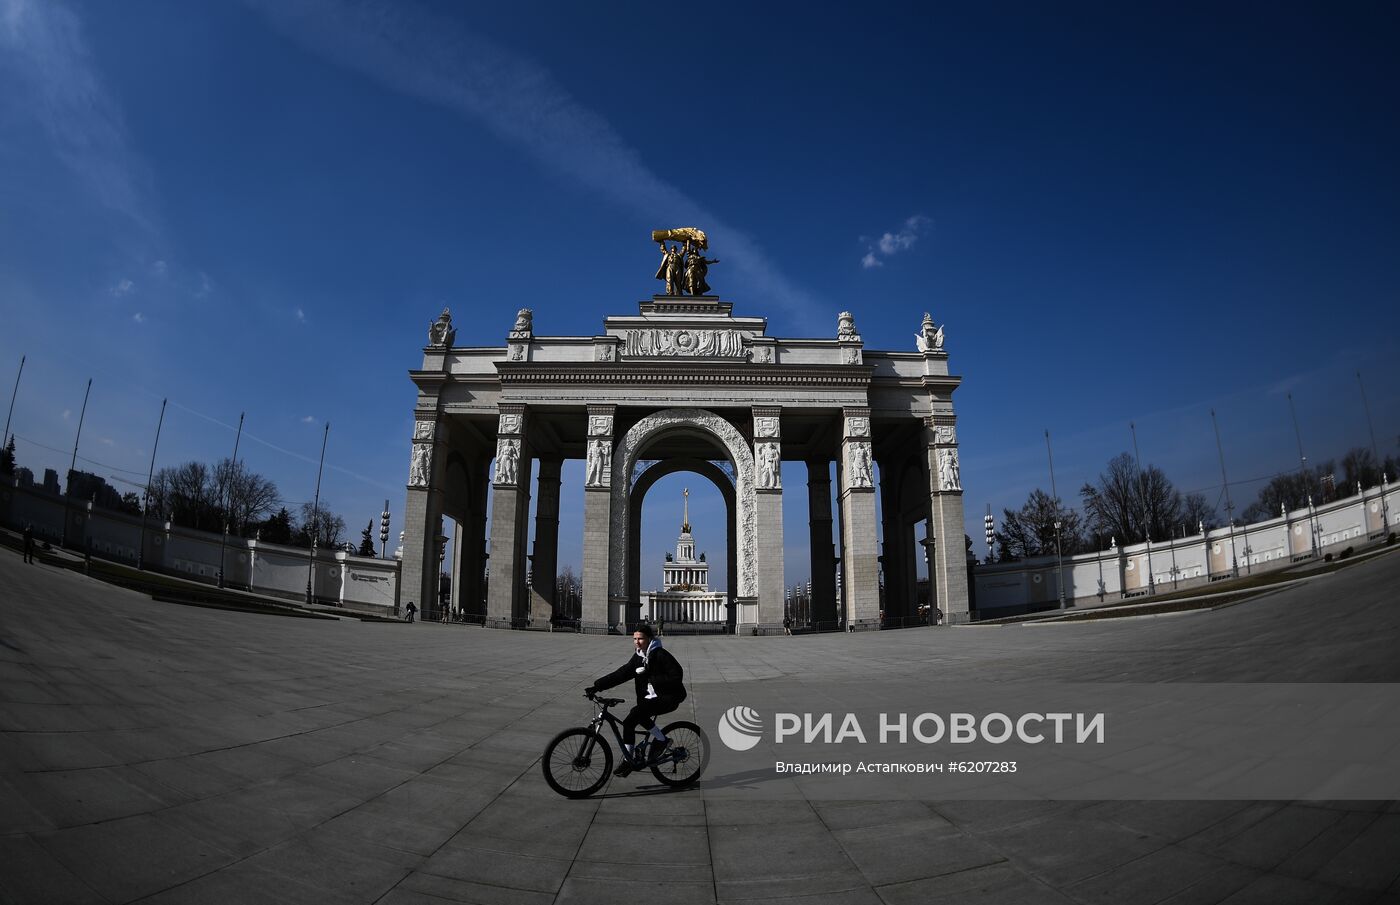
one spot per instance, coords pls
(657, 677)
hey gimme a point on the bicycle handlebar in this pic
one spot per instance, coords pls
(606, 702)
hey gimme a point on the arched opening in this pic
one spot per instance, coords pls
(692, 434)
(684, 611)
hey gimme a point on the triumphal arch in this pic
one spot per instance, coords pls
(685, 384)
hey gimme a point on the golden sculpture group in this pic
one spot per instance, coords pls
(683, 268)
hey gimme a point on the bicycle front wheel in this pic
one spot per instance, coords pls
(577, 762)
(685, 760)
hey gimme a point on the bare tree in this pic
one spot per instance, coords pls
(1288, 490)
(325, 526)
(1360, 465)
(1196, 511)
(249, 496)
(1131, 503)
(190, 495)
(1030, 531)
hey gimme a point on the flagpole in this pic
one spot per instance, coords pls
(228, 496)
(4, 440)
(315, 515)
(150, 476)
(68, 488)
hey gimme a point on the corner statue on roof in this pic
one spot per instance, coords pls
(683, 268)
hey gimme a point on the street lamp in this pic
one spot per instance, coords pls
(384, 532)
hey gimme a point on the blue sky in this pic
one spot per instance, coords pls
(1123, 212)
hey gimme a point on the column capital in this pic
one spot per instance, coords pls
(511, 422)
(855, 422)
(767, 422)
(600, 420)
(940, 431)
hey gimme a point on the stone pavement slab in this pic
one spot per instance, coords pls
(158, 753)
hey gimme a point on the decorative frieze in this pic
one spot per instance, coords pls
(685, 343)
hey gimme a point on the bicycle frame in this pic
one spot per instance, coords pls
(603, 716)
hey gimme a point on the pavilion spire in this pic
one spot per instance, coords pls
(685, 519)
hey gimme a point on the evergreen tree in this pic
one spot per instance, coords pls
(367, 540)
(7, 457)
(278, 527)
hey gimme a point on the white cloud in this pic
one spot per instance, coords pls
(84, 123)
(301, 316)
(308, 419)
(106, 441)
(122, 288)
(892, 243)
(67, 413)
(139, 317)
(206, 286)
(159, 268)
(519, 100)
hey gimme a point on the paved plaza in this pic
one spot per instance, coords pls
(162, 753)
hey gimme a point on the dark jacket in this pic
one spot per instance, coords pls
(662, 670)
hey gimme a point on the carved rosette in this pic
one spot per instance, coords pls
(746, 520)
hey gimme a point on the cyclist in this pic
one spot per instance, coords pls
(658, 679)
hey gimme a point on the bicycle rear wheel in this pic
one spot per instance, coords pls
(685, 760)
(577, 762)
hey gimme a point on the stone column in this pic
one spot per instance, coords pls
(598, 611)
(823, 552)
(546, 554)
(860, 567)
(949, 561)
(418, 581)
(510, 510)
(474, 553)
(893, 555)
(768, 490)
